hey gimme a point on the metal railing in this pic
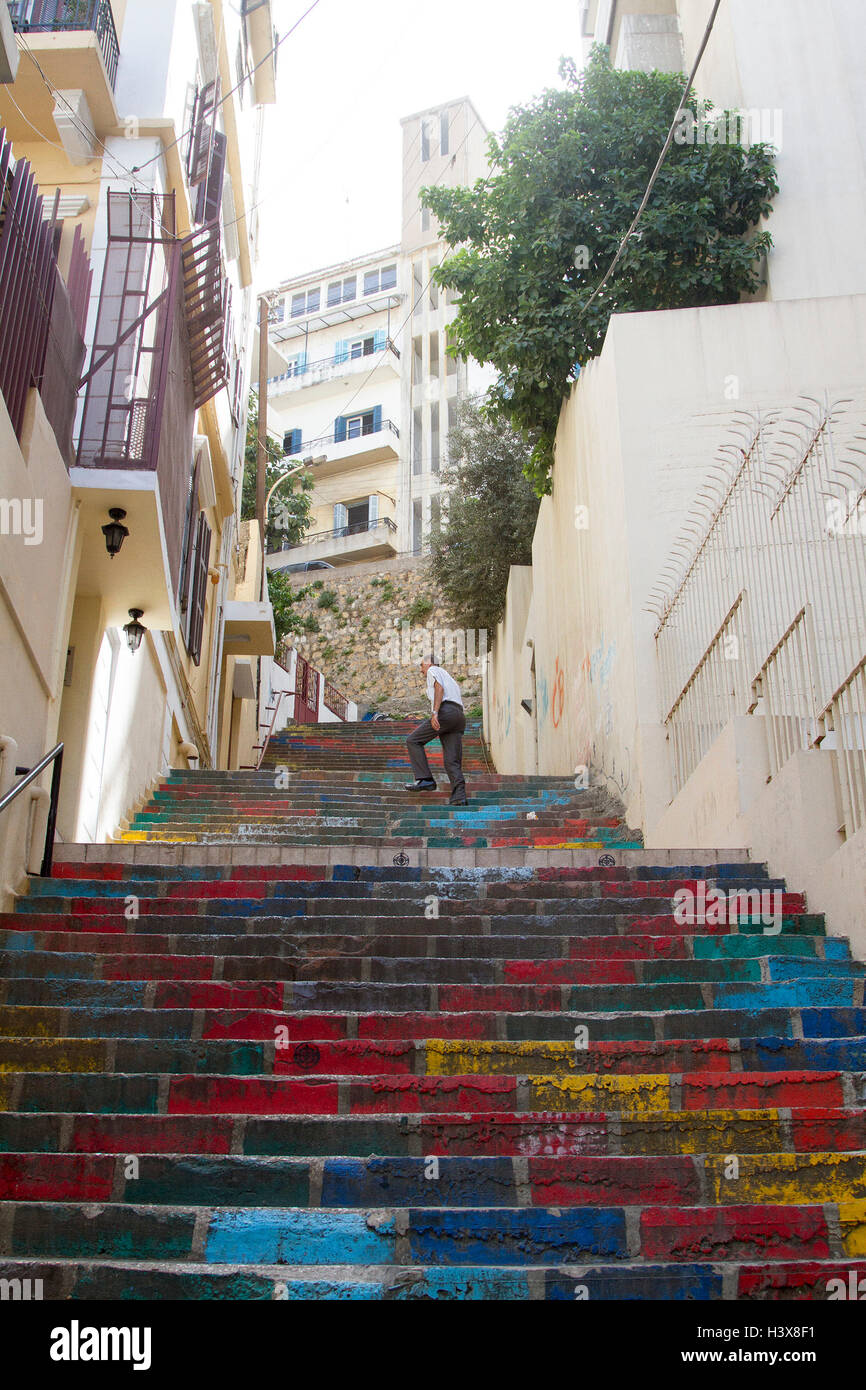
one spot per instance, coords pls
(59, 16)
(55, 757)
(357, 528)
(324, 441)
(845, 716)
(778, 528)
(322, 364)
(335, 702)
(710, 697)
(786, 684)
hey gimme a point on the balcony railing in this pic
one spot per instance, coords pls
(61, 16)
(357, 528)
(308, 446)
(321, 364)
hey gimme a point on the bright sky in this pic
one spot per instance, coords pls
(332, 156)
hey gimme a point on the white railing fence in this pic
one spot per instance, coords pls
(762, 608)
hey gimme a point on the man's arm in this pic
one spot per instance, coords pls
(438, 692)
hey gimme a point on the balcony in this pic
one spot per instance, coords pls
(74, 42)
(345, 545)
(327, 454)
(319, 378)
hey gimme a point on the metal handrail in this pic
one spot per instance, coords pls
(264, 747)
(55, 757)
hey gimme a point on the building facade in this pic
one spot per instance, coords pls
(368, 392)
(132, 138)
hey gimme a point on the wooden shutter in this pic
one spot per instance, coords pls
(377, 418)
(210, 190)
(339, 429)
(202, 132)
(199, 590)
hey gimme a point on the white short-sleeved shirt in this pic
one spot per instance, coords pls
(450, 688)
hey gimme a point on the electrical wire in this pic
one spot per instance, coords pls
(655, 173)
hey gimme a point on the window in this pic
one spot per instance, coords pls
(434, 438)
(417, 440)
(450, 362)
(354, 426)
(349, 348)
(417, 361)
(198, 590)
(292, 442)
(417, 286)
(341, 291)
(443, 133)
(434, 289)
(425, 219)
(425, 141)
(417, 524)
(434, 355)
(305, 302)
(375, 281)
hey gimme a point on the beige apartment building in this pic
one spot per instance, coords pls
(368, 392)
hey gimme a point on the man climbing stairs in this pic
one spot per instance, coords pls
(302, 1035)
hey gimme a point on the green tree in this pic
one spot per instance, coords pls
(535, 239)
(289, 512)
(491, 514)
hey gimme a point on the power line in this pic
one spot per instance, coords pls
(238, 85)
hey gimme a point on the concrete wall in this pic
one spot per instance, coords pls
(636, 440)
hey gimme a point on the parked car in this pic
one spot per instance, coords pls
(306, 566)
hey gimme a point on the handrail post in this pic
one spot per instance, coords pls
(48, 855)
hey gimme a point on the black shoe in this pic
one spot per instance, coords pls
(422, 785)
(459, 800)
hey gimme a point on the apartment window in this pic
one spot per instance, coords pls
(417, 361)
(198, 590)
(305, 302)
(434, 289)
(417, 526)
(292, 442)
(450, 362)
(425, 219)
(434, 438)
(417, 440)
(349, 348)
(425, 141)
(434, 355)
(418, 286)
(342, 291)
(354, 426)
(443, 133)
(376, 281)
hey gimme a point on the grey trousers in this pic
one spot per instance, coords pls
(452, 722)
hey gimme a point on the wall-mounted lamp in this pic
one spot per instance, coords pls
(114, 532)
(134, 630)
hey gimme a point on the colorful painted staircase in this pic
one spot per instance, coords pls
(304, 1035)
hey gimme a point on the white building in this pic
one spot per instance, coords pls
(368, 393)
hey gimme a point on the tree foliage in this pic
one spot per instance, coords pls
(535, 238)
(490, 519)
(289, 512)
